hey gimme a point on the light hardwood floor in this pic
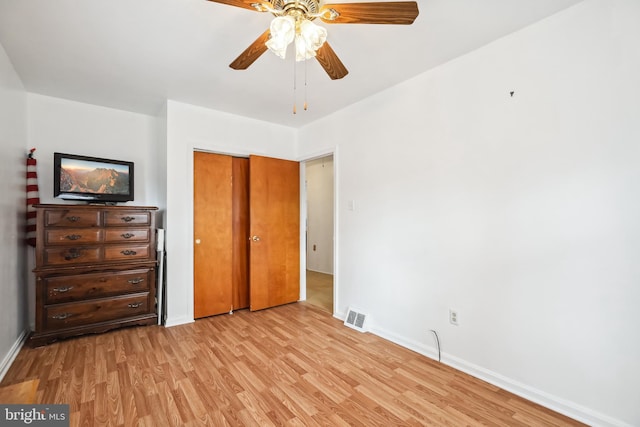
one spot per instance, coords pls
(290, 365)
(320, 290)
(23, 393)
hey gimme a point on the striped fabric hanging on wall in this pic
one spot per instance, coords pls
(33, 198)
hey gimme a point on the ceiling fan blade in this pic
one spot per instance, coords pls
(330, 62)
(251, 53)
(391, 12)
(245, 4)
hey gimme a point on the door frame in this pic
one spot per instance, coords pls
(303, 218)
(303, 224)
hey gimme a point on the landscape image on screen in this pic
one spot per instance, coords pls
(80, 176)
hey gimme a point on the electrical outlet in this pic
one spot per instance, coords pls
(453, 317)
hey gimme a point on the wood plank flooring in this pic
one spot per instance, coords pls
(320, 290)
(23, 393)
(293, 365)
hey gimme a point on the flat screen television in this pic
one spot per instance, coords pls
(92, 179)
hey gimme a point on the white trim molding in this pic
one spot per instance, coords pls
(12, 353)
(177, 321)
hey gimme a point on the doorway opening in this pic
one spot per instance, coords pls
(319, 176)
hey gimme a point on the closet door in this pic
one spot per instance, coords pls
(274, 195)
(212, 233)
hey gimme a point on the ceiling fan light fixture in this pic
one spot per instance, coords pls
(292, 23)
(292, 16)
(283, 31)
(309, 38)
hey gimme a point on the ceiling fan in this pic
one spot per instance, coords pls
(293, 24)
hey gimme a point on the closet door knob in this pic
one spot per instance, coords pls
(255, 238)
(197, 241)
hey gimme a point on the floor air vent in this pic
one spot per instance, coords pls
(356, 319)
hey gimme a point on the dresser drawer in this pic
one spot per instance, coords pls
(83, 313)
(96, 285)
(72, 236)
(70, 256)
(123, 218)
(126, 252)
(71, 218)
(127, 235)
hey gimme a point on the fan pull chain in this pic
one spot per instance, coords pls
(305, 85)
(294, 86)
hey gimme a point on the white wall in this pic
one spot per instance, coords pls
(319, 184)
(192, 128)
(13, 149)
(72, 127)
(160, 180)
(520, 211)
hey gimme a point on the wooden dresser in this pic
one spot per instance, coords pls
(95, 269)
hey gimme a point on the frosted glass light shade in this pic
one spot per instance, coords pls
(309, 39)
(308, 36)
(283, 31)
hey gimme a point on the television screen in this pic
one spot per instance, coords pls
(92, 179)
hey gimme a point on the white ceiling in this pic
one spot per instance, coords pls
(135, 54)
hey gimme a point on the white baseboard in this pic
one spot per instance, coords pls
(555, 403)
(176, 321)
(13, 352)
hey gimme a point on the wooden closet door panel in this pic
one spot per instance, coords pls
(240, 233)
(274, 267)
(212, 228)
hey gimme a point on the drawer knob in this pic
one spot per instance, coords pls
(128, 252)
(73, 218)
(63, 289)
(134, 305)
(72, 236)
(127, 235)
(72, 254)
(128, 218)
(61, 316)
(136, 281)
